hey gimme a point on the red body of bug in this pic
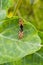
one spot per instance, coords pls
(21, 28)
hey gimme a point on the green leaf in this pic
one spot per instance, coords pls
(2, 14)
(33, 59)
(41, 36)
(4, 4)
(11, 47)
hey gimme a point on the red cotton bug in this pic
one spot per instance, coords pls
(21, 29)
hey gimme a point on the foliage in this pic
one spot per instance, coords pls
(24, 51)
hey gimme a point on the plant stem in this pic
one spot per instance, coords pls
(17, 6)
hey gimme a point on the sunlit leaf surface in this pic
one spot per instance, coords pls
(34, 59)
(11, 47)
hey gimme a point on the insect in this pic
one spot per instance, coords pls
(21, 29)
